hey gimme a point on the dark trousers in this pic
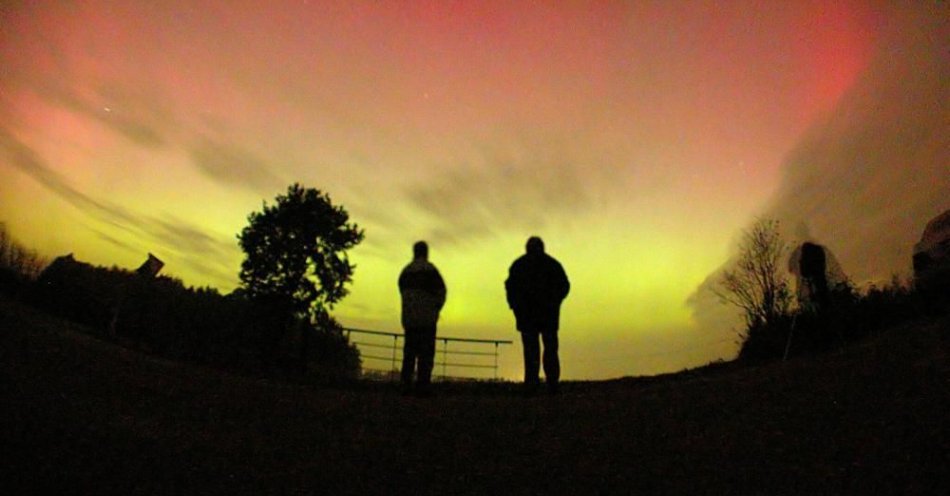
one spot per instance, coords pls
(419, 346)
(532, 357)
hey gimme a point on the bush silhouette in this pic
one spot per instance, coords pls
(834, 314)
(850, 316)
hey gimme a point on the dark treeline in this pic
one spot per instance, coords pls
(852, 316)
(278, 322)
(160, 315)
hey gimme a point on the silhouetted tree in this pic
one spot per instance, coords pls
(296, 261)
(18, 265)
(756, 283)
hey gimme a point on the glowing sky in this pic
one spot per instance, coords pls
(637, 138)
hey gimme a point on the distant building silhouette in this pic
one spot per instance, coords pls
(150, 267)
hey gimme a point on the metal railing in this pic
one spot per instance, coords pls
(380, 342)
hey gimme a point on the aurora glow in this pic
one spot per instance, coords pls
(636, 138)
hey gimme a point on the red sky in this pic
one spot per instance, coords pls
(637, 138)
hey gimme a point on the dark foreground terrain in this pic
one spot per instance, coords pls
(80, 416)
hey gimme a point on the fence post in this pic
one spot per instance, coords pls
(445, 356)
(392, 374)
(496, 360)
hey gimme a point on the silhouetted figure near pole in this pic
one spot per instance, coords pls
(813, 268)
(819, 277)
(423, 295)
(535, 288)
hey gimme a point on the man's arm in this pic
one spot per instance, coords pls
(440, 289)
(512, 286)
(565, 283)
(402, 281)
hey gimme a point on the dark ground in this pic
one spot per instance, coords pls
(80, 416)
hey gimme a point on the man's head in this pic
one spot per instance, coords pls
(534, 245)
(420, 250)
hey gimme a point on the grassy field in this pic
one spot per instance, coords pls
(80, 416)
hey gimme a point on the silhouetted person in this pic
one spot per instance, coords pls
(813, 268)
(535, 288)
(423, 295)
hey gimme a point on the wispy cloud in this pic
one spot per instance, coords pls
(188, 238)
(234, 166)
(29, 162)
(502, 194)
(202, 252)
(135, 117)
(114, 241)
(145, 118)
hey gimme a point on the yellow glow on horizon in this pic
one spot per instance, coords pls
(619, 284)
(627, 280)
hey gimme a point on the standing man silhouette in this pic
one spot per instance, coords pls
(536, 286)
(813, 269)
(423, 295)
